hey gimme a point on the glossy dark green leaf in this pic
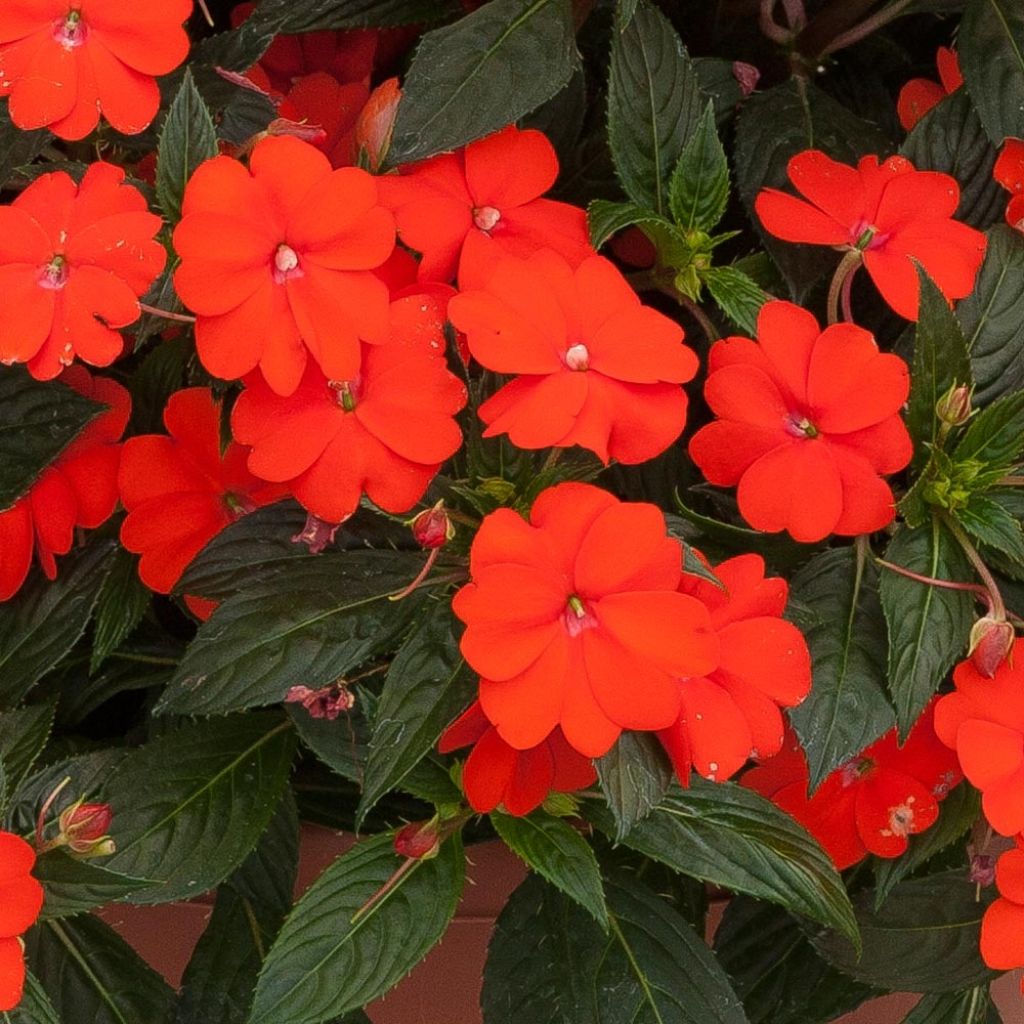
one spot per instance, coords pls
(91, 974)
(187, 139)
(973, 1006)
(324, 963)
(654, 105)
(991, 522)
(990, 45)
(928, 626)
(23, 734)
(924, 938)
(634, 776)
(993, 316)
(730, 836)
(995, 437)
(43, 621)
(481, 73)
(74, 886)
(841, 617)
(190, 805)
(556, 851)
(38, 420)
(306, 627)
(18, 147)
(119, 609)
(606, 218)
(699, 187)
(427, 686)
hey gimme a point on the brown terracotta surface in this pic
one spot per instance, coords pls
(445, 987)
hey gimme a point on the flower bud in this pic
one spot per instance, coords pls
(376, 122)
(954, 407)
(991, 642)
(433, 527)
(83, 829)
(419, 840)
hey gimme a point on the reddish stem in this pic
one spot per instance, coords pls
(975, 588)
(180, 318)
(421, 576)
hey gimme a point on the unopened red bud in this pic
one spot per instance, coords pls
(954, 407)
(419, 840)
(376, 122)
(433, 527)
(83, 829)
(991, 642)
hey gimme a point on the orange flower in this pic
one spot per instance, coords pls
(463, 210)
(79, 488)
(1009, 172)
(891, 212)
(65, 62)
(384, 430)
(1002, 927)
(732, 713)
(573, 619)
(872, 803)
(276, 261)
(919, 95)
(181, 490)
(74, 260)
(21, 899)
(596, 368)
(808, 420)
(497, 775)
(983, 721)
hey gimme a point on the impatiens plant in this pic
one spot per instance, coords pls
(466, 425)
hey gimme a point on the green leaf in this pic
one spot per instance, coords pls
(74, 886)
(941, 361)
(35, 1006)
(928, 626)
(923, 939)
(654, 105)
(190, 806)
(957, 814)
(427, 685)
(38, 420)
(317, 15)
(990, 522)
(990, 45)
(634, 776)
(995, 437)
(699, 189)
(119, 609)
(738, 296)
(730, 836)
(774, 126)
(242, 47)
(324, 963)
(44, 620)
(775, 969)
(718, 81)
(606, 218)
(251, 905)
(974, 1006)
(993, 316)
(309, 626)
(23, 734)
(18, 147)
(842, 621)
(556, 851)
(950, 139)
(651, 968)
(91, 974)
(625, 9)
(485, 71)
(187, 139)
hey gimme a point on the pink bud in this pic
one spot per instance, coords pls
(991, 642)
(83, 829)
(433, 527)
(419, 840)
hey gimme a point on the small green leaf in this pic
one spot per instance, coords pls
(841, 618)
(556, 851)
(699, 189)
(35, 1006)
(427, 685)
(634, 776)
(481, 73)
(23, 734)
(654, 105)
(994, 525)
(120, 607)
(995, 437)
(738, 296)
(941, 361)
(990, 45)
(923, 939)
(38, 420)
(327, 961)
(730, 836)
(606, 218)
(928, 625)
(187, 139)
